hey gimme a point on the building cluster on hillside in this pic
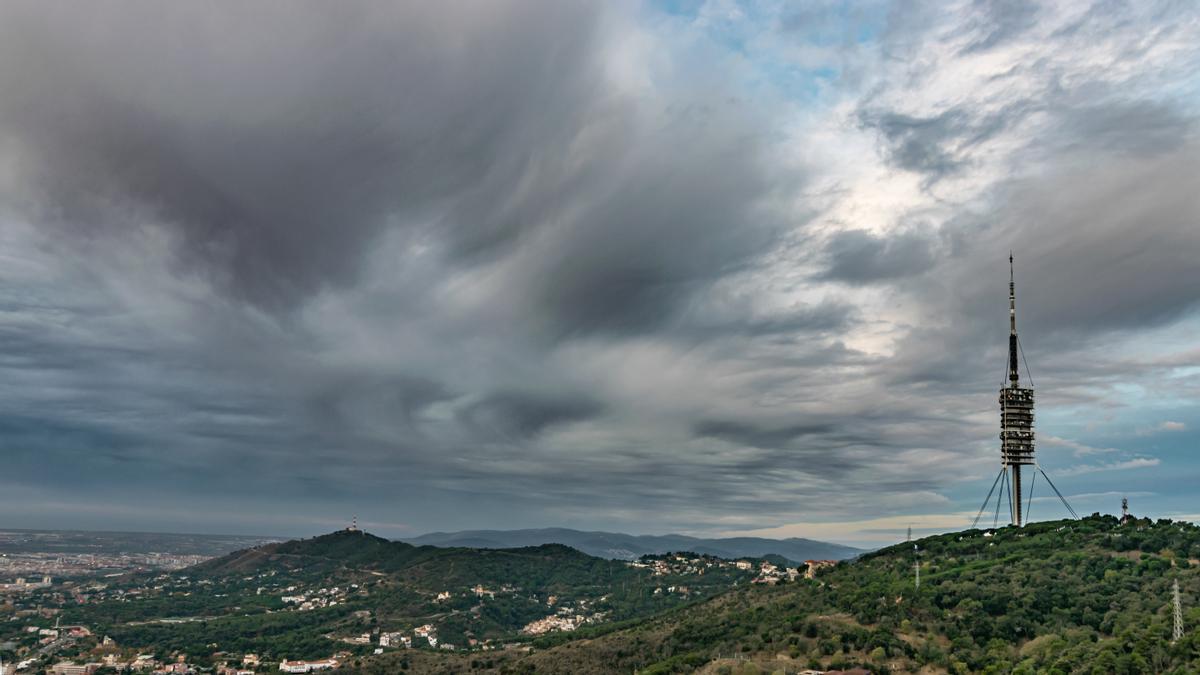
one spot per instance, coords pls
(684, 563)
(142, 663)
(770, 573)
(307, 666)
(814, 566)
(568, 617)
(395, 639)
(304, 601)
(552, 623)
(428, 632)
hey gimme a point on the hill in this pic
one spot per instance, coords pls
(630, 547)
(312, 597)
(1087, 596)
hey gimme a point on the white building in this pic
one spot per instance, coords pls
(307, 666)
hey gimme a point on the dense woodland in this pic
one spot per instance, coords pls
(1087, 596)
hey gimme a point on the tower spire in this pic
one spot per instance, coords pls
(1013, 374)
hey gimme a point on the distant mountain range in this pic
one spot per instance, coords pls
(629, 547)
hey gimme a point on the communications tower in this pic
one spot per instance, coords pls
(1016, 409)
(1016, 428)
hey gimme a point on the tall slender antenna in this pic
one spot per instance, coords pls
(1013, 375)
(1178, 631)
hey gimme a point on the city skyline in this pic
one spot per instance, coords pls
(712, 268)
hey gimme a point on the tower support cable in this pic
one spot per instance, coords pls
(1000, 497)
(987, 499)
(1029, 502)
(1060, 495)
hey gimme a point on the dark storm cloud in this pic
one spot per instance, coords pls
(279, 161)
(758, 436)
(1134, 127)
(345, 400)
(520, 416)
(859, 257)
(938, 145)
(545, 263)
(1104, 244)
(287, 151)
(919, 144)
(1128, 227)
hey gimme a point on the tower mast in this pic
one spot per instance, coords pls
(1016, 410)
(1016, 426)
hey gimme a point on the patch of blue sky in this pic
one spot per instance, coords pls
(683, 8)
(767, 35)
(835, 24)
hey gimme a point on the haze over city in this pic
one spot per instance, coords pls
(712, 268)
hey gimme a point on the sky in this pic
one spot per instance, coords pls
(705, 267)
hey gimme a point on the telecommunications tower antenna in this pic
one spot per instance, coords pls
(1016, 428)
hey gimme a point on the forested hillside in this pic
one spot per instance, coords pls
(315, 597)
(1087, 596)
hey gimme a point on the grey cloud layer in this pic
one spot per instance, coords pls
(479, 265)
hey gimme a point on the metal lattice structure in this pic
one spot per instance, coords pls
(1016, 429)
(1177, 633)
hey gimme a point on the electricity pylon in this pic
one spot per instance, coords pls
(1178, 632)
